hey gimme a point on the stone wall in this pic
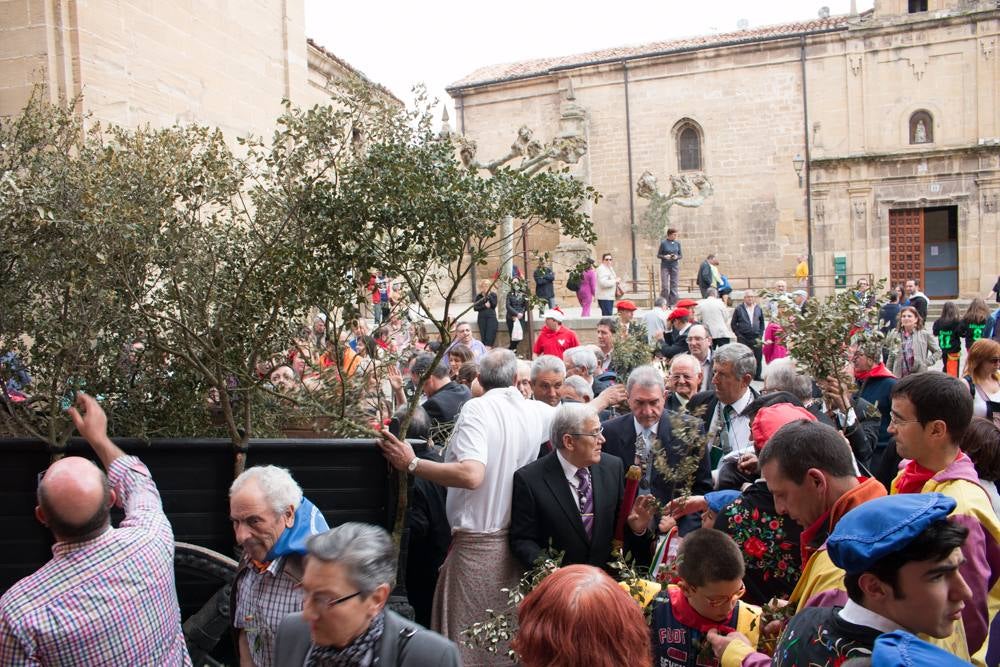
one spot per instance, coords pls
(863, 81)
(225, 65)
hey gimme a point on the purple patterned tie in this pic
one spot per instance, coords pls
(586, 496)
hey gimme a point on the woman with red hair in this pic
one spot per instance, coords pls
(577, 616)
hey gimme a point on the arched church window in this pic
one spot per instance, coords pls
(921, 128)
(689, 148)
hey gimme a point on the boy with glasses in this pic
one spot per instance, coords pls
(706, 597)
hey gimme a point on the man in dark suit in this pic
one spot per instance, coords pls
(748, 325)
(630, 438)
(722, 410)
(705, 279)
(445, 397)
(570, 499)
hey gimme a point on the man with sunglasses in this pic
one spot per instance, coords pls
(570, 498)
(107, 597)
(349, 573)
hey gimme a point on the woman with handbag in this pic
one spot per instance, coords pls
(588, 288)
(913, 350)
(608, 285)
(517, 304)
(982, 373)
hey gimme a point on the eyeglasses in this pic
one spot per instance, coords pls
(325, 601)
(723, 600)
(593, 434)
(893, 419)
(995, 360)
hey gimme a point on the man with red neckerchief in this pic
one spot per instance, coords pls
(930, 412)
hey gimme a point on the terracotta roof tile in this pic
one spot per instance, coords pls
(541, 66)
(350, 68)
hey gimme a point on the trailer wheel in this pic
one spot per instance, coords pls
(204, 628)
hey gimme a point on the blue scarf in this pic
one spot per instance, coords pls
(309, 521)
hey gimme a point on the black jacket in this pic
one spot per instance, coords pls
(517, 303)
(429, 539)
(544, 511)
(620, 435)
(444, 404)
(543, 283)
(675, 341)
(748, 330)
(705, 275)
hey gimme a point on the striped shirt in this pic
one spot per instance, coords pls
(263, 599)
(107, 601)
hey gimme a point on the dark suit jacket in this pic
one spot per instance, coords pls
(444, 405)
(674, 342)
(620, 435)
(544, 510)
(747, 329)
(403, 643)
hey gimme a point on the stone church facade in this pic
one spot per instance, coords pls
(890, 116)
(225, 65)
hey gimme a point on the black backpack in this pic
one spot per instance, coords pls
(573, 284)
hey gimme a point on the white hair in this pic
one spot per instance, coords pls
(276, 484)
(580, 387)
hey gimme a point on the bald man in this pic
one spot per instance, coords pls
(107, 597)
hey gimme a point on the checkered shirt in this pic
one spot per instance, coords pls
(107, 601)
(263, 599)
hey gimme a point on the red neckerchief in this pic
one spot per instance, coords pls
(687, 615)
(914, 476)
(877, 371)
(259, 566)
(809, 534)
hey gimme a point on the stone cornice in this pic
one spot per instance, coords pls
(908, 155)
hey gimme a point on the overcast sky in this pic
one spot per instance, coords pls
(400, 43)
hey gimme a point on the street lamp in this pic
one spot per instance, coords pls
(798, 162)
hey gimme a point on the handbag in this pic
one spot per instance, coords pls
(619, 292)
(517, 331)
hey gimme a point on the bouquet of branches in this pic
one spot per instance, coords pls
(820, 337)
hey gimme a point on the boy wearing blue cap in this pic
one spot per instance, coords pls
(930, 413)
(706, 598)
(901, 558)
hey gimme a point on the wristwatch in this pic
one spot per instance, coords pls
(412, 465)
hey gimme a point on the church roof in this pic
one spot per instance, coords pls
(352, 69)
(527, 69)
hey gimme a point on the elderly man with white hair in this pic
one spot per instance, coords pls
(570, 499)
(582, 361)
(684, 381)
(272, 521)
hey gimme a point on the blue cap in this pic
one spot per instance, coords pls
(901, 649)
(718, 500)
(882, 526)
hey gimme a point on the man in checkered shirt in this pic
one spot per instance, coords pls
(107, 597)
(262, 505)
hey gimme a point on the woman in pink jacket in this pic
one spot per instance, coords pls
(588, 286)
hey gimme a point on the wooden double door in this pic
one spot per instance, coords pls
(923, 244)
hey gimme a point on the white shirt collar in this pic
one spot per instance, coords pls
(742, 402)
(568, 469)
(858, 615)
(640, 429)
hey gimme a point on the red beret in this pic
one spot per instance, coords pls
(625, 304)
(687, 303)
(770, 419)
(679, 314)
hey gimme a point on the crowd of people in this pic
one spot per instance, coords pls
(770, 517)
